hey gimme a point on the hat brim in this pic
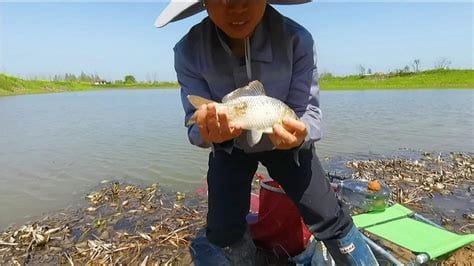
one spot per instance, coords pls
(177, 10)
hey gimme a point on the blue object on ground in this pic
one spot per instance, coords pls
(205, 253)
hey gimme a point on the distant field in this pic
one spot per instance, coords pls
(15, 86)
(431, 79)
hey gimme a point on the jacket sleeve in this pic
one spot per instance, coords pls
(191, 83)
(303, 95)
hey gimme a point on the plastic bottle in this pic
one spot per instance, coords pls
(357, 194)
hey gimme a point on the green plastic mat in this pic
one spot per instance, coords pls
(393, 212)
(419, 237)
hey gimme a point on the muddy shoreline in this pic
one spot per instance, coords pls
(125, 223)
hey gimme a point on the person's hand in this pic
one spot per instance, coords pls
(214, 127)
(289, 135)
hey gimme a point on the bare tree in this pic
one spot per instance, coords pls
(155, 77)
(96, 77)
(442, 63)
(406, 69)
(416, 65)
(325, 74)
(361, 70)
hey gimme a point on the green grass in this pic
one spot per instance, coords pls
(15, 86)
(139, 85)
(431, 79)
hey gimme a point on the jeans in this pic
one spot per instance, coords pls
(229, 183)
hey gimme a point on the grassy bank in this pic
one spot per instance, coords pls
(15, 86)
(432, 79)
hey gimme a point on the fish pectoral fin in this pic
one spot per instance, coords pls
(254, 137)
(197, 101)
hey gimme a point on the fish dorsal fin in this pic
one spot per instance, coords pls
(254, 88)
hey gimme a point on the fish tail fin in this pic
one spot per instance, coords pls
(197, 101)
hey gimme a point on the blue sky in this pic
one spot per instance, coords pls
(114, 39)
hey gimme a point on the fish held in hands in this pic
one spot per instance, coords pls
(250, 108)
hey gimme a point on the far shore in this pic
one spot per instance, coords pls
(430, 79)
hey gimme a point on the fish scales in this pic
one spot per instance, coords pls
(255, 112)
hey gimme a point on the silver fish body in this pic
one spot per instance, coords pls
(256, 112)
(251, 109)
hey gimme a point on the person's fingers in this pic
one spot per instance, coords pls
(288, 135)
(275, 140)
(298, 128)
(224, 124)
(227, 130)
(201, 117)
(212, 123)
(236, 132)
(293, 125)
(283, 134)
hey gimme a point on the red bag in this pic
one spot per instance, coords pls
(279, 226)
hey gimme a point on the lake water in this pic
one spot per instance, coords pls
(56, 147)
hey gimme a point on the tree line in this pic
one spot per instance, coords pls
(92, 78)
(413, 67)
(84, 77)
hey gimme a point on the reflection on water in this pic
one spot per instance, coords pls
(54, 147)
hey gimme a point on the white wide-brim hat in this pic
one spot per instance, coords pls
(179, 9)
